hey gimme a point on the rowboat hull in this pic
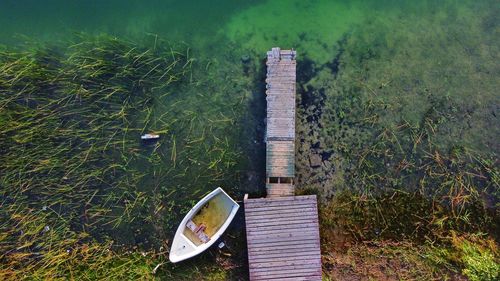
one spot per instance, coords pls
(203, 225)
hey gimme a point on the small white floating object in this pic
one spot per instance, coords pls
(203, 225)
(150, 137)
(221, 245)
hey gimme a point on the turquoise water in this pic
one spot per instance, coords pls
(408, 77)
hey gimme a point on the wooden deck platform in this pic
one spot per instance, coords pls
(283, 238)
(282, 229)
(280, 130)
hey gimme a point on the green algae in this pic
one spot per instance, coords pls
(311, 27)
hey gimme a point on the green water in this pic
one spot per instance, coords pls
(382, 86)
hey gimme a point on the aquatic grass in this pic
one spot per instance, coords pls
(68, 142)
(74, 174)
(404, 130)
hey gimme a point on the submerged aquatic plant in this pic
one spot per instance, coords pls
(69, 122)
(80, 195)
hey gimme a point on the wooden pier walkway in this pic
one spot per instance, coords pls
(282, 229)
(280, 131)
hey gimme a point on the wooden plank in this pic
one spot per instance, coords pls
(284, 248)
(292, 262)
(285, 72)
(281, 223)
(278, 232)
(296, 255)
(281, 95)
(313, 250)
(256, 216)
(277, 172)
(310, 199)
(280, 87)
(292, 266)
(289, 234)
(286, 202)
(251, 213)
(280, 186)
(283, 155)
(276, 244)
(274, 208)
(279, 163)
(290, 112)
(278, 215)
(277, 209)
(285, 83)
(281, 124)
(275, 190)
(301, 198)
(281, 143)
(284, 254)
(281, 129)
(282, 161)
(280, 104)
(263, 206)
(282, 114)
(258, 277)
(280, 134)
(279, 274)
(285, 272)
(280, 172)
(288, 146)
(275, 63)
(284, 212)
(297, 278)
(274, 194)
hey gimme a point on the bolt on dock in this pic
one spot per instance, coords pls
(282, 229)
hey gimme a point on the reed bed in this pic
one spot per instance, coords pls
(74, 176)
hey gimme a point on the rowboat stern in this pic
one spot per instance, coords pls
(181, 249)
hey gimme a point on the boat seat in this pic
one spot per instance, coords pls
(199, 231)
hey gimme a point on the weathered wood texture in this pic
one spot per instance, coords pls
(279, 189)
(280, 131)
(283, 238)
(280, 159)
(281, 71)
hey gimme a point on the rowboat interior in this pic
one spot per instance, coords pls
(208, 220)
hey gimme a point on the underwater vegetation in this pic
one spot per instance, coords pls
(399, 136)
(80, 195)
(397, 133)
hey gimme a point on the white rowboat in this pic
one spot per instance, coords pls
(203, 225)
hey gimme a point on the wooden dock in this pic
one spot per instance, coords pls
(280, 130)
(283, 238)
(282, 229)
